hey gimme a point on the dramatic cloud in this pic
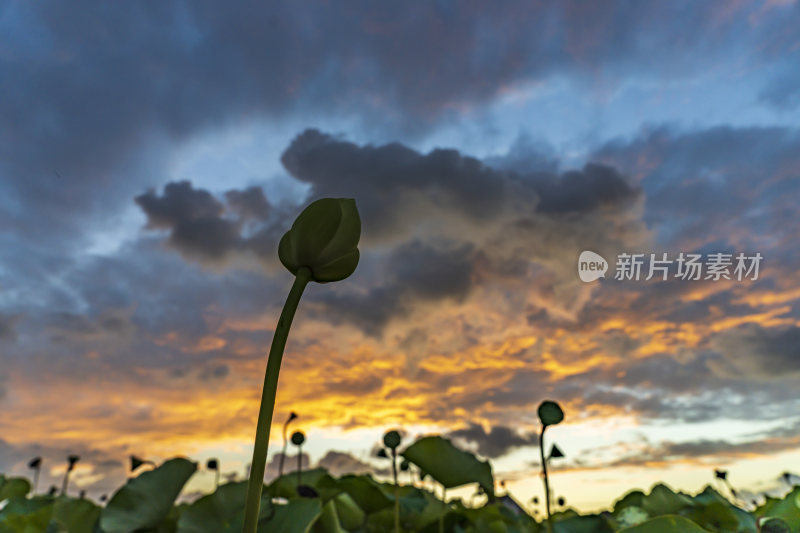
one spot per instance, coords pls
(496, 442)
(341, 463)
(755, 351)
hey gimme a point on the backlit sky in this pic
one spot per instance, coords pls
(152, 154)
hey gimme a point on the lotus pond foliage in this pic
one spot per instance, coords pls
(322, 503)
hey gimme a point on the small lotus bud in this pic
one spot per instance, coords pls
(323, 238)
(72, 459)
(391, 439)
(721, 474)
(382, 454)
(298, 438)
(36, 462)
(561, 501)
(212, 464)
(405, 465)
(292, 416)
(550, 413)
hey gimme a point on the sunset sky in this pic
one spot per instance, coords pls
(152, 155)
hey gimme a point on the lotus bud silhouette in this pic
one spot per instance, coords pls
(298, 438)
(392, 439)
(550, 413)
(321, 246)
(213, 464)
(36, 465)
(324, 239)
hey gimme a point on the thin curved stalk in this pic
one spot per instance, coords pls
(546, 481)
(299, 465)
(283, 452)
(256, 482)
(396, 492)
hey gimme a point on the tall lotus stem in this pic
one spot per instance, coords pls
(321, 246)
(213, 464)
(71, 460)
(292, 416)
(298, 438)
(550, 414)
(392, 440)
(36, 465)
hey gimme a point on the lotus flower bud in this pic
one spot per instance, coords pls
(391, 439)
(550, 413)
(324, 239)
(298, 438)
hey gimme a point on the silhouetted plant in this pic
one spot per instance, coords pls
(137, 462)
(71, 460)
(103, 497)
(723, 475)
(550, 414)
(321, 246)
(298, 438)
(82, 494)
(561, 501)
(36, 465)
(292, 416)
(555, 453)
(213, 464)
(392, 441)
(53, 490)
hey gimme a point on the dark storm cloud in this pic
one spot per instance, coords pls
(469, 213)
(716, 183)
(194, 218)
(760, 352)
(412, 273)
(496, 442)
(180, 203)
(437, 210)
(388, 180)
(249, 204)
